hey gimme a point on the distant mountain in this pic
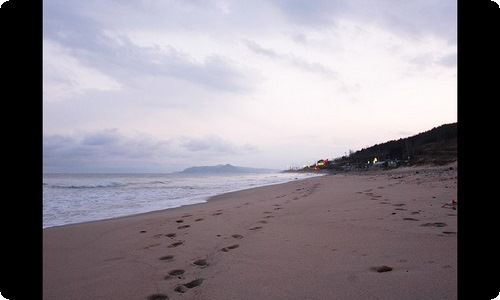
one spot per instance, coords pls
(224, 169)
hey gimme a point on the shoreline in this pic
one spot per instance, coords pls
(189, 200)
(323, 237)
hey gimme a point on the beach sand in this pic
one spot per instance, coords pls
(372, 235)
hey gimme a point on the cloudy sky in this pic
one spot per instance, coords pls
(161, 85)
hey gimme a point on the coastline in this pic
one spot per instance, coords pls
(316, 238)
(79, 198)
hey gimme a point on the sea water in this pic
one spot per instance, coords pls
(77, 198)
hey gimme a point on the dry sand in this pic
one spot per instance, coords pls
(372, 235)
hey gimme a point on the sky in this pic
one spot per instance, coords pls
(162, 85)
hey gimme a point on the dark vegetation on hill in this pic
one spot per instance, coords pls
(437, 146)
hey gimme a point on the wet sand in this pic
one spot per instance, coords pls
(372, 235)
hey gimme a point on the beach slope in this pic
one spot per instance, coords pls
(372, 235)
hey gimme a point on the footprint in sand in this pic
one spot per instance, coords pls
(158, 297)
(151, 246)
(167, 257)
(237, 236)
(200, 219)
(216, 214)
(435, 224)
(183, 226)
(449, 232)
(182, 288)
(175, 273)
(228, 248)
(173, 245)
(410, 219)
(381, 269)
(255, 228)
(201, 263)
(171, 235)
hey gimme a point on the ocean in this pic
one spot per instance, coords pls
(82, 197)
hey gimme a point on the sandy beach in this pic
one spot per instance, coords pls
(373, 235)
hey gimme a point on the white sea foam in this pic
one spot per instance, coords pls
(76, 198)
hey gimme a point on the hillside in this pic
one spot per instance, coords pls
(437, 146)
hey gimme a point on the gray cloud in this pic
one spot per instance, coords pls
(424, 60)
(313, 67)
(410, 17)
(103, 138)
(449, 60)
(110, 151)
(292, 60)
(128, 63)
(258, 49)
(121, 59)
(213, 144)
(102, 151)
(311, 13)
(407, 17)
